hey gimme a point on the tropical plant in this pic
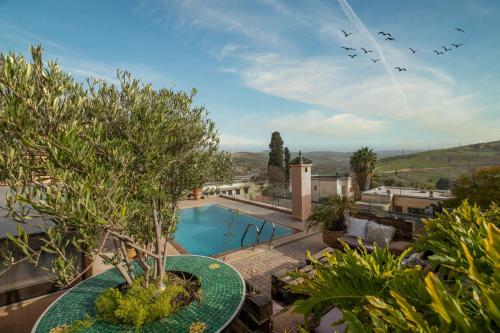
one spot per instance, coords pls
(331, 215)
(456, 290)
(363, 163)
(99, 162)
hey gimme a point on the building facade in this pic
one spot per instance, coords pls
(402, 200)
(323, 186)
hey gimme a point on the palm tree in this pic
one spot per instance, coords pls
(363, 164)
(332, 214)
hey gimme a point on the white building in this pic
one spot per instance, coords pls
(327, 186)
(401, 200)
(240, 187)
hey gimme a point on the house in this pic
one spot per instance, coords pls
(240, 187)
(323, 186)
(402, 200)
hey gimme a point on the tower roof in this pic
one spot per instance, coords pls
(300, 160)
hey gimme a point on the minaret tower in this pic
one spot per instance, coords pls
(300, 177)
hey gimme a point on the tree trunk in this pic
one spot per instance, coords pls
(159, 259)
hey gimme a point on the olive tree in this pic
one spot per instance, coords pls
(100, 162)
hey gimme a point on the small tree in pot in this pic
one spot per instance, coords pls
(331, 217)
(99, 162)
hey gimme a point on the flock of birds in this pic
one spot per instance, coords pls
(387, 36)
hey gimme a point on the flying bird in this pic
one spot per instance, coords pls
(352, 56)
(457, 45)
(459, 29)
(445, 49)
(366, 51)
(348, 48)
(400, 69)
(346, 34)
(382, 33)
(413, 51)
(437, 52)
(390, 38)
(374, 60)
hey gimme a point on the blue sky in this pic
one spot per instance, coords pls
(268, 65)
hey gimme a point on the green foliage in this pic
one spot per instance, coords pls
(138, 305)
(78, 325)
(287, 157)
(276, 151)
(275, 168)
(482, 187)
(99, 159)
(363, 163)
(458, 290)
(443, 183)
(332, 213)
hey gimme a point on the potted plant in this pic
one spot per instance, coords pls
(106, 169)
(197, 194)
(331, 218)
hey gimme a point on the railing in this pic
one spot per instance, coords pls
(245, 233)
(258, 232)
(394, 215)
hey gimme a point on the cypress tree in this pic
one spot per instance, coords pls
(286, 152)
(275, 164)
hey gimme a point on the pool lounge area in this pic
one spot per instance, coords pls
(212, 229)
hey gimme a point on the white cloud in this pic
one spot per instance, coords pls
(344, 125)
(234, 142)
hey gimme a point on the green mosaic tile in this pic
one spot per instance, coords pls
(223, 290)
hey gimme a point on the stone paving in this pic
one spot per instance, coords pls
(257, 269)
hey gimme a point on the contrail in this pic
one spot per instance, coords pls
(360, 26)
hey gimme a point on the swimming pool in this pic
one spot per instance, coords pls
(213, 229)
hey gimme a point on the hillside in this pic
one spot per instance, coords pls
(325, 162)
(414, 168)
(425, 168)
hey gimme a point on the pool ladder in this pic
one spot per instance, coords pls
(258, 231)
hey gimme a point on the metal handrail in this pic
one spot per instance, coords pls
(262, 228)
(258, 232)
(245, 233)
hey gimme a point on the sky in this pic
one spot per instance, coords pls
(277, 65)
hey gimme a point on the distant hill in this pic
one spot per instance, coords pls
(325, 162)
(401, 168)
(425, 168)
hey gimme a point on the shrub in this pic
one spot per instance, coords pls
(138, 305)
(456, 290)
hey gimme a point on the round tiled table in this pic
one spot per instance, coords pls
(223, 293)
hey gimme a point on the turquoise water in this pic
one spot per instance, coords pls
(213, 229)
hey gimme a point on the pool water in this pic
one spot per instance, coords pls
(213, 229)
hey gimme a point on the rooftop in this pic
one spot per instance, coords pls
(410, 192)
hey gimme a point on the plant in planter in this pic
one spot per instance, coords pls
(331, 217)
(100, 162)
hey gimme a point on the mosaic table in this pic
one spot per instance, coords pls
(223, 293)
